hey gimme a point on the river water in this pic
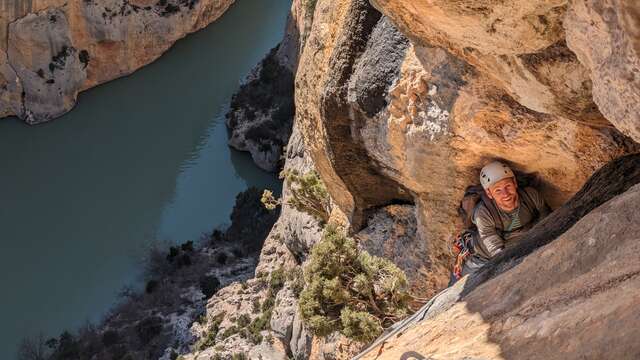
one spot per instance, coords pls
(141, 159)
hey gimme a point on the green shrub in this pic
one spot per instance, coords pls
(210, 339)
(255, 305)
(230, 331)
(268, 200)
(350, 290)
(269, 302)
(276, 282)
(239, 356)
(308, 194)
(243, 320)
(257, 325)
(296, 280)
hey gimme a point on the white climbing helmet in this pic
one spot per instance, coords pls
(494, 172)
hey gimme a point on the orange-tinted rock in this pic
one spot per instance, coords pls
(519, 45)
(60, 48)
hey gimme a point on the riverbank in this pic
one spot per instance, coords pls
(154, 323)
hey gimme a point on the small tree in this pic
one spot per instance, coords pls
(268, 200)
(349, 290)
(308, 194)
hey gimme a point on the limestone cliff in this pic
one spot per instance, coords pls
(397, 106)
(50, 50)
(390, 120)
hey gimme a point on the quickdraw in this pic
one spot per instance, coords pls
(462, 249)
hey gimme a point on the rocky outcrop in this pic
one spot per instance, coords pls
(522, 47)
(282, 333)
(519, 45)
(605, 36)
(261, 113)
(389, 233)
(51, 50)
(555, 296)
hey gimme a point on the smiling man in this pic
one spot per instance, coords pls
(511, 212)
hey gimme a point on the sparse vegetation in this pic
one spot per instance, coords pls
(230, 331)
(268, 200)
(137, 327)
(308, 194)
(349, 290)
(296, 280)
(210, 339)
(255, 305)
(310, 6)
(265, 107)
(239, 356)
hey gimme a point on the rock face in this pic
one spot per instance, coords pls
(583, 287)
(522, 46)
(605, 36)
(284, 335)
(52, 49)
(390, 233)
(390, 120)
(261, 114)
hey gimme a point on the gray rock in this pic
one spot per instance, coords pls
(377, 68)
(283, 315)
(266, 351)
(390, 232)
(300, 230)
(301, 338)
(261, 112)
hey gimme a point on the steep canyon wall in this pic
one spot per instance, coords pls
(50, 50)
(399, 103)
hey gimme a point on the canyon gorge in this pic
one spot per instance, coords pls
(396, 105)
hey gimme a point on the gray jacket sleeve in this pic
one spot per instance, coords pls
(538, 200)
(491, 241)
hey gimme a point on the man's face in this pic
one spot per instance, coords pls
(504, 193)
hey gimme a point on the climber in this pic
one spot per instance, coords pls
(495, 217)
